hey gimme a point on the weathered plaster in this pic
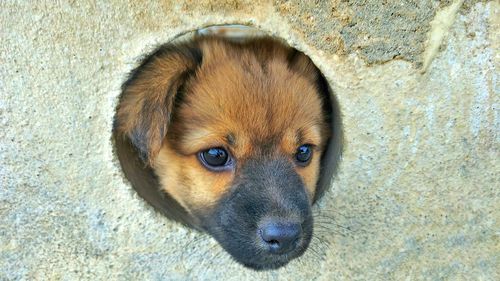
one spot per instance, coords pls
(418, 190)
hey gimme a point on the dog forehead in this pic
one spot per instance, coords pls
(248, 94)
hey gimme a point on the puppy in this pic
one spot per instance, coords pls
(234, 133)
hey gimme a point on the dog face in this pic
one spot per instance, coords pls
(235, 133)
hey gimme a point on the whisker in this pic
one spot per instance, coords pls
(192, 245)
(322, 241)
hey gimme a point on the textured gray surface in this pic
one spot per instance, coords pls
(378, 31)
(418, 192)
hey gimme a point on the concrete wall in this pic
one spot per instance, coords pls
(418, 192)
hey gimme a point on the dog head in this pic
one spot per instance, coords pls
(235, 133)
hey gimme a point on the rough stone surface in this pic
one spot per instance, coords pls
(418, 191)
(378, 31)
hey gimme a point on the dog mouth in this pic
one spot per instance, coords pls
(261, 241)
(275, 261)
(269, 246)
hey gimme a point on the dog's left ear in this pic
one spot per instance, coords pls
(148, 97)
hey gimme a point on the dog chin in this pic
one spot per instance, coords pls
(273, 262)
(240, 237)
(249, 253)
(267, 266)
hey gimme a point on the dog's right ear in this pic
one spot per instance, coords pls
(145, 107)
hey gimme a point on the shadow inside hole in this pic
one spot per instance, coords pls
(146, 183)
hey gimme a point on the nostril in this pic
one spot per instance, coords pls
(280, 237)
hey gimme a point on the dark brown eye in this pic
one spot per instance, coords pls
(303, 154)
(215, 158)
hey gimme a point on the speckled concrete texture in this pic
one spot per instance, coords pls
(418, 191)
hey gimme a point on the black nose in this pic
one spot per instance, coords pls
(280, 237)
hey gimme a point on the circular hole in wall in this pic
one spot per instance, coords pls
(151, 96)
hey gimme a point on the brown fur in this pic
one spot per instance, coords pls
(253, 99)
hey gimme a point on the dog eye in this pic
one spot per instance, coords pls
(303, 154)
(214, 158)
